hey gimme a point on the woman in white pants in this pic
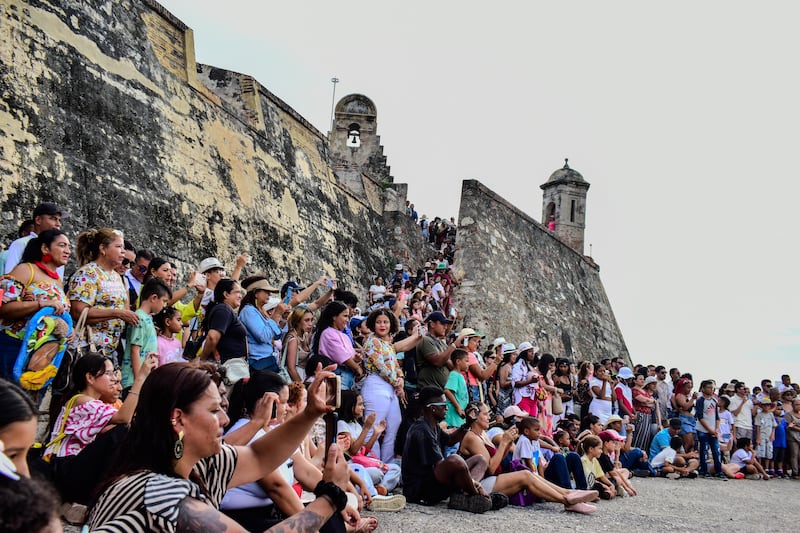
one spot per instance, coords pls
(382, 389)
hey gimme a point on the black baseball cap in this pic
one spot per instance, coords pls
(438, 316)
(49, 208)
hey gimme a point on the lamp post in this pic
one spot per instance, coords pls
(334, 81)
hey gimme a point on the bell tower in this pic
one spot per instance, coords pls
(564, 205)
(354, 142)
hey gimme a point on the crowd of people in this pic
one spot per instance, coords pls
(201, 402)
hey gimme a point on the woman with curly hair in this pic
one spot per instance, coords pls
(382, 389)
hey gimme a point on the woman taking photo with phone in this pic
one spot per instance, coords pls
(173, 468)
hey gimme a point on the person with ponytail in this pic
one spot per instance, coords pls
(98, 287)
(32, 285)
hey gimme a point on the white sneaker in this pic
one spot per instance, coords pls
(390, 503)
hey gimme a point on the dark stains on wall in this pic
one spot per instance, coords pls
(525, 285)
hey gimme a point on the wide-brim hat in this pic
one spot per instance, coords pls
(469, 332)
(261, 285)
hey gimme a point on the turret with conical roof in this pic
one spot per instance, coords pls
(564, 205)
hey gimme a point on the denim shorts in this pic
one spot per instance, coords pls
(688, 423)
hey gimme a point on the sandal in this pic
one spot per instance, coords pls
(367, 524)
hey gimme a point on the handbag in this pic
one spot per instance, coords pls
(63, 378)
(523, 498)
(194, 345)
(558, 406)
(282, 372)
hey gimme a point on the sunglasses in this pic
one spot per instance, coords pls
(126, 262)
(436, 404)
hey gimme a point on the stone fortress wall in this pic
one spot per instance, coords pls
(521, 281)
(105, 110)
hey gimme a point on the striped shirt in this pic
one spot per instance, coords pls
(146, 501)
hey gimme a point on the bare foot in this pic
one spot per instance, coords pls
(582, 508)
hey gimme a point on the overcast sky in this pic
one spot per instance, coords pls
(683, 116)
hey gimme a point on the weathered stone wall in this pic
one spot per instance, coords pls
(521, 282)
(105, 111)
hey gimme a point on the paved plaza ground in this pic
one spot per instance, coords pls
(662, 505)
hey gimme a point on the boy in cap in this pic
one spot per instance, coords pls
(765, 434)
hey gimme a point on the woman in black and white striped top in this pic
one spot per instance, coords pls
(173, 468)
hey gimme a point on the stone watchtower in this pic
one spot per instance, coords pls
(565, 199)
(354, 142)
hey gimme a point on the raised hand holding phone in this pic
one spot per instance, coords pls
(316, 404)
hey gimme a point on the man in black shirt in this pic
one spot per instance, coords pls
(429, 477)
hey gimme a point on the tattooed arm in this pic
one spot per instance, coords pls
(194, 515)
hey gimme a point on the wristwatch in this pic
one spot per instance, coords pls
(337, 496)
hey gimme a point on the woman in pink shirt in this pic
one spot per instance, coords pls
(331, 345)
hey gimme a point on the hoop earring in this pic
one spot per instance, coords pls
(177, 450)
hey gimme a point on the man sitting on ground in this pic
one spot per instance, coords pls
(429, 477)
(687, 462)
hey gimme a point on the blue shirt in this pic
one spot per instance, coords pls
(780, 433)
(660, 441)
(261, 331)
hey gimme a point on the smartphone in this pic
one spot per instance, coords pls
(274, 411)
(333, 391)
(330, 283)
(331, 422)
(200, 279)
(421, 330)
(465, 342)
